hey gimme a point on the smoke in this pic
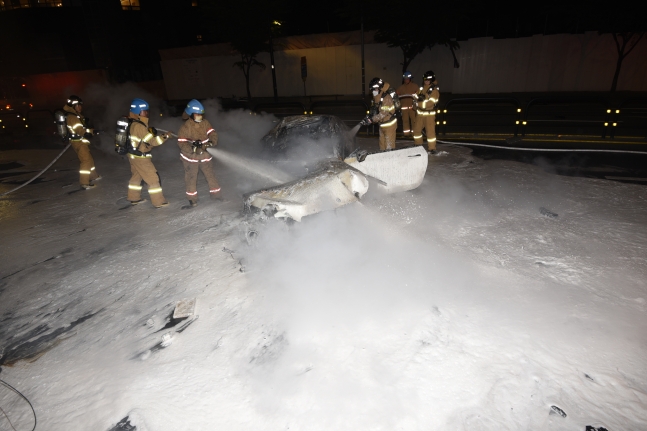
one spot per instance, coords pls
(239, 154)
(239, 132)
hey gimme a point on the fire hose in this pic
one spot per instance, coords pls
(546, 150)
(39, 174)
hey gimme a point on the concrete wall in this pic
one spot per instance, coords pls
(565, 62)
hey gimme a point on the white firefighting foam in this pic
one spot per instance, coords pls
(457, 305)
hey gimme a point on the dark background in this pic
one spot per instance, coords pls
(124, 37)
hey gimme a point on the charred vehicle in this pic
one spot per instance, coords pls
(340, 173)
(318, 135)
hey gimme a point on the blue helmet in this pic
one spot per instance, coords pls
(194, 107)
(407, 75)
(138, 105)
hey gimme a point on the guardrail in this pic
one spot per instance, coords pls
(500, 113)
(568, 116)
(630, 115)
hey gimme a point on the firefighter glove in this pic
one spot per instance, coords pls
(152, 131)
(196, 145)
(366, 121)
(421, 97)
(87, 135)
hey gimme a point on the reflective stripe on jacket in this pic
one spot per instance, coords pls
(385, 103)
(431, 98)
(407, 93)
(75, 125)
(192, 131)
(140, 138)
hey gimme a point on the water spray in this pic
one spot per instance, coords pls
(355, 129)
(254, 167)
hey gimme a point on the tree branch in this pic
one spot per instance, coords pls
(636, 43)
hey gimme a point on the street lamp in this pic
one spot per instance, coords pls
(276, 95)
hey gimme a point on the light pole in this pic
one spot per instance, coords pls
(362, 37)
(276, 94)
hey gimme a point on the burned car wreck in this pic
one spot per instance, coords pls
(340, 173)
(320, 135)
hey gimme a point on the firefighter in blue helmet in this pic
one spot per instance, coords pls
(142, 140)
(194, 137)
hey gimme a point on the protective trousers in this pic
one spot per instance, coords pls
(426, 121)
(87, 172)
(191, 177)
(387, 135)
(408, 120)
(143, 169)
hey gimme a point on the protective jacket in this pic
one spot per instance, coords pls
(384, 103)
(407, 92)
(76, 125)
(430, 96)
(77, 129)
(191, 132)
(426, 115)
(142, 167)
(141, 138)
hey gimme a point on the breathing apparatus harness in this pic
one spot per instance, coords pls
(60, 119)
(123, 141)
(396, 102)
(397, 105)
(422, 96)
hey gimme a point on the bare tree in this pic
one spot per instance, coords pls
(625, 43)
(248, 60)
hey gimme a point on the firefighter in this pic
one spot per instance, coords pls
(194, 137)
(407, 91)
(427, 98)
(79, 135)
(383, 113)
(142, 140)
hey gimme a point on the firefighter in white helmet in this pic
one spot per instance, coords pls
(383, 113)
(79, 135)
(407, 91)
(427, 96)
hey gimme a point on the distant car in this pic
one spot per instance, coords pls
(323, 135)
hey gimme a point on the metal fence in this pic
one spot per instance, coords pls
(480, 114)
(545, 115)
(573, 116)
(630, 118)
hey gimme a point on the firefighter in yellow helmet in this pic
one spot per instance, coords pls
(142, 140)
(79, 134)
(428, 96)
(383, 112)
(407, 91)
(194, 137)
